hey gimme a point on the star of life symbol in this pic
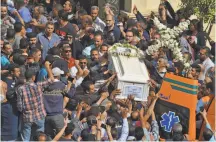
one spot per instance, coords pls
(169, 120)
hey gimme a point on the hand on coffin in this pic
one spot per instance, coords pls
(152, 83)
(116, 92)
(112, 77)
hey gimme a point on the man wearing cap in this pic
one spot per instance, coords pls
(53, 102)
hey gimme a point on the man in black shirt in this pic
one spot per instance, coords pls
(63, 27)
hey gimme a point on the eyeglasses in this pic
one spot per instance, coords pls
(83, 63)
(67, 51)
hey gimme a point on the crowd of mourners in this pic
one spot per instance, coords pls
(56, 84)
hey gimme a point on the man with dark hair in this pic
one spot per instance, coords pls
(88, 38)
(48, 39)
(10, 36)
(111, 32)
(68, 133)
(68, 7)
(63, 27)
(98, 41)
(195, 71)
(20, 33)
(80, 70)
(205, 60)
(24, 45)
(67, 55)
(54, 12)
(5, 53)
(31, 93)
(32, 37)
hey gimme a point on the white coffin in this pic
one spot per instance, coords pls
(132, 76)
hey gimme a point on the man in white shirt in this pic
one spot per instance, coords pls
(79, 71)
(205, 60)
(98, 24)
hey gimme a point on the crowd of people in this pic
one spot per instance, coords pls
(56, 84)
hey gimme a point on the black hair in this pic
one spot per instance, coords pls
(10, 34)
(94, 110)
(69, 129)
(135, 32)
(177, 136)
(99, 33)
(31, 35)
(29, 74)
(130, 31)
(180, 66)
(63, 15)
(197, 67)
(211, 86)
(86, 85)
(84, 134)
(197, 24)
(54, 51)
(82, 12)
(12, 66)
(71, 105)
(20, 60)
(82, 57)
(24, 44)
(18, 27)
(94, 49)
(38, 134)
(5, 44)
(207, 50)
(139, 133)
(207, 134)
(111, 122)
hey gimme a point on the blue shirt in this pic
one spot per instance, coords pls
(46, 43)
(26, 16)
(87, 51)
(209, 127)
(4, 61)
(42, 75)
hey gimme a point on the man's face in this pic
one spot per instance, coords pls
(37, 56)
(3, 11)
(155, 55)
(83, 63)
(67, 6)
(67, 53)
(8, 49)
(50, 29)
(129, 37)
(192, 27)
(161, 63)
(109, 21)
(23, 31)
(16, 72)
(98, 41)
(36, 12)
(94, 14)
(103, 49)
(91, 89)
(55, 12)
(2, 43)
(202, 55)
(94, 55)
(33, 40)
(193, 72)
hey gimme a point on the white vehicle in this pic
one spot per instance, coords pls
(132, 74)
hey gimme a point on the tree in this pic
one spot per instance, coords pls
(203, 9)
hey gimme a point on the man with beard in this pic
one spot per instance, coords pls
(98, 24)
(205, 60)
(98, 41)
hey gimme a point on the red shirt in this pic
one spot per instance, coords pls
(71, 62)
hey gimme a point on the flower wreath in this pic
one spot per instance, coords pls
(169, 39)
(132, 52)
